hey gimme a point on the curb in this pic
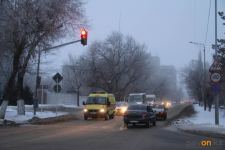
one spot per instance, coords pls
(203, 133)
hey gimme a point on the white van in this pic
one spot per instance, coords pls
(150, 98)
(137, 98)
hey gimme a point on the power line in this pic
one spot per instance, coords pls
(208, 22)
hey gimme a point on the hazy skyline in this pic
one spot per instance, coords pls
(165, 26)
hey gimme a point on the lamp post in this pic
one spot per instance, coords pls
(204, 78)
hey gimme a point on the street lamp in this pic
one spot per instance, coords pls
(203, 74)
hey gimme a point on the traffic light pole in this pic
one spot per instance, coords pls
(39, 55)
(61, 45)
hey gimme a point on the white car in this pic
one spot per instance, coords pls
(121, 107)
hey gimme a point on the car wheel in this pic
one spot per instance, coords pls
(113, 116)
(125, 125)
(106, 117)
(85, 118)
(166, 116)
(154, 123)
(148, 124)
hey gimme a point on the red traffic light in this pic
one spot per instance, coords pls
(84, 37)
(83, 32)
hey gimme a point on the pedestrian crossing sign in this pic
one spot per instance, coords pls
(215, 66)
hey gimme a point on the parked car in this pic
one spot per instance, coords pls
(160, 111)
(139, 114)
(121, 107)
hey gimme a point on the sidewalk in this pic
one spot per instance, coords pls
(202, 123)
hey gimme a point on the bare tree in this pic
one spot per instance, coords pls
(116, 63)
(74, 76)
(28, 26)
(192, 76)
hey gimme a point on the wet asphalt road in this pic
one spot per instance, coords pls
(97, 134)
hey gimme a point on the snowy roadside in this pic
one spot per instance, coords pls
(47, 112)
(202, 123)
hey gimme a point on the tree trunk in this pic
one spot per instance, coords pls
(3, 109)
(21, 73)
(78, 96)
(20, 107)
(20, 101)
(9, 87)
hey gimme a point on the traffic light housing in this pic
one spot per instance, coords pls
(84, 35)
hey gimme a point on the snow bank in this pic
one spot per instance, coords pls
(11, 114)
(202, 121)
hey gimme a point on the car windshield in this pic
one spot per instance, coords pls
(96, 100)
(136, 107)
(149, 99)
(157, 106)
(121, 105)
(135, 98)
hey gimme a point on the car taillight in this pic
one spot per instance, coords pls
(161, 112)
(144, 114)
(125, 114)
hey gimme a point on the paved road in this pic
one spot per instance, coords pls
(99, 134)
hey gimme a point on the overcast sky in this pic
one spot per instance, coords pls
(165, 26)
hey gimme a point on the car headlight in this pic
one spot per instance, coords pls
(124, 109)
(102, 110)
(85, 110)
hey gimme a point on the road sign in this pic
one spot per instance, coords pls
(215, 77)
(215, 89)
(215, 66)
(55, 88)
(57, 76)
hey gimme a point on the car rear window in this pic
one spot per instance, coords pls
(136, 107)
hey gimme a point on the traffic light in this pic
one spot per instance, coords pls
(84, 37)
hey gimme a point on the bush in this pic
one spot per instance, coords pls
(27, 95)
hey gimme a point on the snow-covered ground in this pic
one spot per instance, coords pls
(202, 121)
(11, 113)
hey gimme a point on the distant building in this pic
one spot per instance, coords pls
(155, 63)
(170, 73)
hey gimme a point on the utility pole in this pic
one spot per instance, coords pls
(217, 95)
(204, 76)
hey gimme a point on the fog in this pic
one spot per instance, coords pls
(165, 26)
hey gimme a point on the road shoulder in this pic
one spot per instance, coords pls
(181, 123)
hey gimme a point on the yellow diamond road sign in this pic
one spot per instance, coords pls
(215, 66)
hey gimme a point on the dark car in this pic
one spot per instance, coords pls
(160, 111)
(139, 114)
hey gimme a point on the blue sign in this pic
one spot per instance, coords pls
(215, 89)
